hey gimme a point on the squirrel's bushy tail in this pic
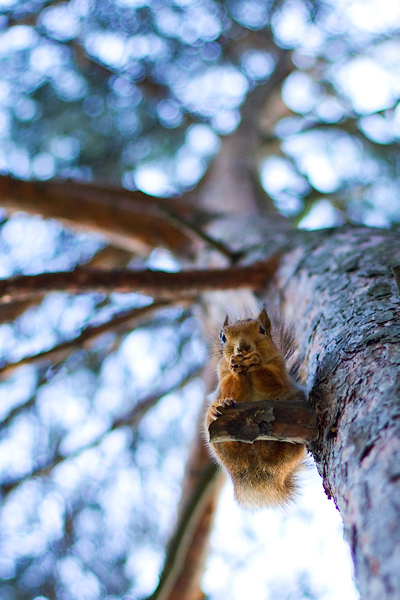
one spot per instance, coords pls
(284, 339)
(271, 476)
(252, 493)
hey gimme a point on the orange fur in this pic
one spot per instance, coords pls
(251, 368)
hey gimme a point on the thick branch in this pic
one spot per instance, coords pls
(187, 585)
(232, 180)
(188, 547)
(198, 501)
(128, 219)
(293, 420)
(152, 283)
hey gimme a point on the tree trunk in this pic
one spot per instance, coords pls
(337, 288)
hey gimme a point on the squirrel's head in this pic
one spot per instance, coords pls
(245, 335)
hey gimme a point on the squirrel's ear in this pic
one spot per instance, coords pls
(226, 322)
(264, 318)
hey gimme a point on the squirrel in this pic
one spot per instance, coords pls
(252, 368)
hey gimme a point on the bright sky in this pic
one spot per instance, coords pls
(264, 555)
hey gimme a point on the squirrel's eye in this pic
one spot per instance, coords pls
(223, 337)
(262, 330)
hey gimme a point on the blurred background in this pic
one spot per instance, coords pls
(96, 427)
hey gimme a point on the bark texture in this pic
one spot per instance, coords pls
(291, 420)
(338, 289)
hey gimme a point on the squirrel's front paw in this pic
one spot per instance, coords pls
(227, 402)
(252, 361)
(236, 364)
(214, 410)
(213, 413)
(248, 362)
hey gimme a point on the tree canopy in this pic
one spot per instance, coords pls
(131, 133)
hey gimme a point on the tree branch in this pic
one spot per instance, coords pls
(61, 351)
(187, 584)
(31, 17)
(293, 420)
(187, 525)
(219, 246)
(185, 570)
(17, 410)
(128, 219)
(153, 283)
(10, 312)
(130, 419)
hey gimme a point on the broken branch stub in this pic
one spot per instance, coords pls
(293, 420)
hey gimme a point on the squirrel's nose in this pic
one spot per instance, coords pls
(242, 347)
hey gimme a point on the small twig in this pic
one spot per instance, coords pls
(132, 418)
(153, 283)
(59, 352)
(31, 17)
(30, 402)
(293, 420)
(219, 246)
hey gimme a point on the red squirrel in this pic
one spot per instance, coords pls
(252, 368)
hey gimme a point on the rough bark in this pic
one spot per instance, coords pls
(337, 288)
(292, 420)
